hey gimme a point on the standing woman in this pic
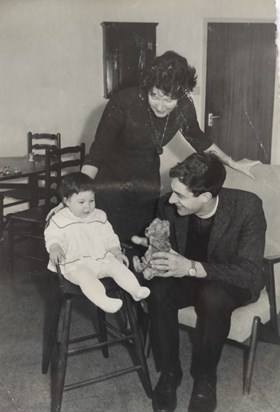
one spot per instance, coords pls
(137, 123)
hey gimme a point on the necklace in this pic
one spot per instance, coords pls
(156, 137)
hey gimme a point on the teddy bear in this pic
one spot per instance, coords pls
(157, 234)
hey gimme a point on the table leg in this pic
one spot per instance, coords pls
(33, 182)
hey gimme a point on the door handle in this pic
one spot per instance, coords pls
(211, 116)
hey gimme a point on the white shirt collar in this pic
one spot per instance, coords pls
(210, 214)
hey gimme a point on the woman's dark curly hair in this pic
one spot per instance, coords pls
(170, 73)
(200, 172)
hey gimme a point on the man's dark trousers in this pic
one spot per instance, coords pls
(214, 302)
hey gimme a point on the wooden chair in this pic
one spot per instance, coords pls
(30, 223)
(58, 346)
(20, 193)
(251, 323)
(37, 144)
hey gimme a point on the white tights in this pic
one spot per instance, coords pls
(88, 274)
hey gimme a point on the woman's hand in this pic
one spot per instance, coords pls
(54, 211)
(56, 254)
(244, 166)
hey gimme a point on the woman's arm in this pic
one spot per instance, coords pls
(90, 170)
(221, 155)
(244, 166)
(111, 123)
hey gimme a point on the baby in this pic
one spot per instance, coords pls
(80, 238)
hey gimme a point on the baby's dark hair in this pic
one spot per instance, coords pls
(200, 172)
(74, 183)
(170, 73)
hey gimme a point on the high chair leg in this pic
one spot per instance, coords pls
(50, 329)
(103, 332)
(143, 372)
(60, 366)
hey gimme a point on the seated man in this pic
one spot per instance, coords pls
(217, 238)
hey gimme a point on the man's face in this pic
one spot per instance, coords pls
(184, 199)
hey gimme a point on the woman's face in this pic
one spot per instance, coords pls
(160, 103)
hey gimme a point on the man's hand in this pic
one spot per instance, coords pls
(56, 254)
(174, 264)
(171, 263)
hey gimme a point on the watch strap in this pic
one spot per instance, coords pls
(192, 269)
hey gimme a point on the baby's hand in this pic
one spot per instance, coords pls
(116, 251)
(123, 259)
(56, 254)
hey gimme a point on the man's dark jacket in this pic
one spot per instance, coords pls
(237, 240)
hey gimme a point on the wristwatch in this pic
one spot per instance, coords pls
(192, 269)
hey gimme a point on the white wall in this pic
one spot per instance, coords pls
(51, 58)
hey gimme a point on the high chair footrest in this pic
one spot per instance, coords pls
(91, 381)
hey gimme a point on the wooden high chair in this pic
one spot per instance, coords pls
(58, 346)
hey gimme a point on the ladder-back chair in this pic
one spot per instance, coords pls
(20, 193)
(30, 223)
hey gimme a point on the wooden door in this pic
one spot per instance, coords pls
(240, 83)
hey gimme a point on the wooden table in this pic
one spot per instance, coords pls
(18, 167)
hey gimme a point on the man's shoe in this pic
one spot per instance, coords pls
(164, 395)
(203, 398)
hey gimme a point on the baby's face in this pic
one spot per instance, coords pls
(81, 204)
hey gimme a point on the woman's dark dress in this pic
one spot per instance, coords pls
(125, 153)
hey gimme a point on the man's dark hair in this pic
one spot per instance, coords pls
(201, 172)
(170, 73)
(74, 183)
